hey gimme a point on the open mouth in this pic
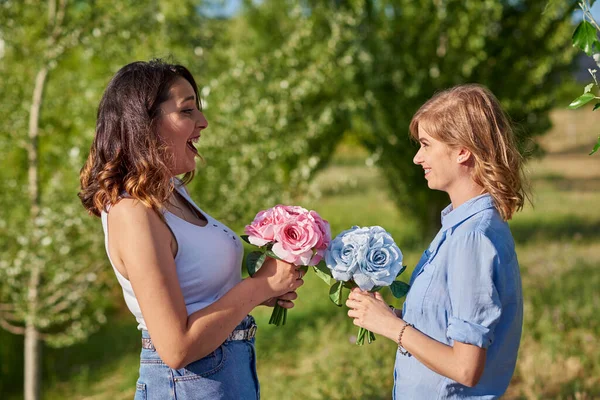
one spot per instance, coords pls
(191, 144)
(427, 171)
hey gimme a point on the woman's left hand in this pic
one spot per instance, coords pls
(285, 301)
(369, 310)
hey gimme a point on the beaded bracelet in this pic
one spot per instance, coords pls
(401, 348)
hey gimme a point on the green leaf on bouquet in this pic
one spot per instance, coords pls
(581, 100)
(401, 271)
(272, 255)
(254, 261)
(245, 238)
(597, 106)
(335, 293)
(399, 289)
(324, 273)
(585, 37)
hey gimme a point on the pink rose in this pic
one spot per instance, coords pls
(291, 211)
(296, 238)
(325, 239)
(262, 230)
(323, 228)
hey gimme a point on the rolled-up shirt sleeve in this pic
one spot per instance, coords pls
(476, 306)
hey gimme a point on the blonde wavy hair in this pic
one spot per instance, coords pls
(470, 116)
(127, 154)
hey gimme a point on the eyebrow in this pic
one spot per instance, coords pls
(192, 97)
(422, 140)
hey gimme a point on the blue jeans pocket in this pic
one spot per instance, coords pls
(203, 368)
(201, 379)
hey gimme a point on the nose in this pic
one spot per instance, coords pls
(201, 122)
(418, 159)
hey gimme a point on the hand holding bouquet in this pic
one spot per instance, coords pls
(289, 233)
(364, 257)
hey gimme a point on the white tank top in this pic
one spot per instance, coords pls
(208, 261)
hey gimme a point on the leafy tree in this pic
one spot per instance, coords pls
(278, 108)
(52, 273)
(370, 65)
(420, 47)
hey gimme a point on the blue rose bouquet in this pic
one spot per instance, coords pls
(365, 257)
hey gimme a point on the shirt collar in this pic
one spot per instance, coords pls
(452, 217)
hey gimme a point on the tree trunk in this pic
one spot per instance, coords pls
(32, 363)
(32, 339)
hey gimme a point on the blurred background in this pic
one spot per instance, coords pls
(308, 102)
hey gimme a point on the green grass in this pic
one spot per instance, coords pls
(313, 356)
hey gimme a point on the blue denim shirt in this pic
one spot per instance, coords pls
(466, 288)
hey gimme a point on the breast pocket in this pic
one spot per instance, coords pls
(419, 287)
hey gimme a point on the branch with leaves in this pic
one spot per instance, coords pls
(585, 38)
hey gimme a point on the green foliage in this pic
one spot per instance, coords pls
(81, 46)
(585, 38)
(420, 47)
(335, 293)
(582, 100)
(300, 75)
(399, 289)
(323, 273)
(277, 108)
(254, 261)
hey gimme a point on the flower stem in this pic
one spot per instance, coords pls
(278, 316)
(360, 338)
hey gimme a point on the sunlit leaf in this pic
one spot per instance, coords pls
(335, 293)
(323, 272)
(585, 37)
(581, 100)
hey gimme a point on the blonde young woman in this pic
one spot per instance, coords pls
(180, 269)
(458, 333)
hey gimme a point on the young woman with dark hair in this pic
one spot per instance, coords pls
(179, 268)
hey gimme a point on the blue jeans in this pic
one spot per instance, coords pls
(228, 373)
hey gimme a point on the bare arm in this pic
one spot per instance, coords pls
(142, 243)
(463, 363)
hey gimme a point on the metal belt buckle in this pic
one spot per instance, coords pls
(252, 332)
(147, 344)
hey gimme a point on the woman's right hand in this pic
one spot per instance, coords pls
(279, 277)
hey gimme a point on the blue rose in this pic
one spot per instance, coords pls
(381, 260)
(346, 251)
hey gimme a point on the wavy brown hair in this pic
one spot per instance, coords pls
(470, 116)
(127, 154)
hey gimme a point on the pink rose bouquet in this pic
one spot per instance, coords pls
(289, 233)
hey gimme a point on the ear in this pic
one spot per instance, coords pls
(463, 155)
